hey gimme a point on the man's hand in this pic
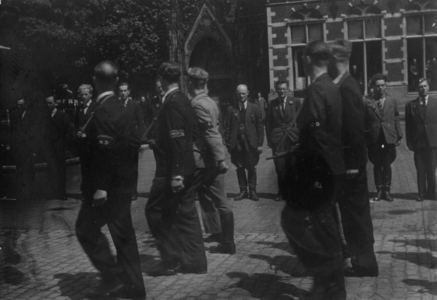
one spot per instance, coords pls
(81, 134)
(260, 150)
(398, 143)
(177, 184)
(222, 167)
(350, 174)
(100, 198)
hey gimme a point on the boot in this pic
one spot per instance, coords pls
(387, 195)
(242, 195)
(252, 194)
(379, 194)
(227, 246)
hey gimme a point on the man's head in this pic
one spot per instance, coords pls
(197, 78)
(158, 88)
(169, 73)
(21, 105)
(85, 91)
(123, 91)
(242, 93)
(341, 52)
(317, 54)
(423, 87)
(379, 84)
(51, 103)
(281, 88)
(105, 76)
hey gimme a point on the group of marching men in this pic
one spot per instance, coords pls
(320, 149)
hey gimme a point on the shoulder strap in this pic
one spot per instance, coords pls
(93, 112)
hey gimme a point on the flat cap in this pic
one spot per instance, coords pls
(198, 73)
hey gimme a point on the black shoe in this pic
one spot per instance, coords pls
(105, 285)
(387, 195)
(191, 269)
(134, 196)
(361, 272)
(279, 198)
(215, 237)
(127, 292)
(242, 195)
(378, 196)
(224, 249)
(253, 196)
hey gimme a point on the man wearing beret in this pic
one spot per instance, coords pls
(209, 154)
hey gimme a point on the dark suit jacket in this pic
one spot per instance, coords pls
(175, 135)
(150, 109)
(27, 133)
(83, 116)
(109, 134)
(253, 125)
(135, 111)
(421, 128)
(320, 123)
(354, 131)
(388, 121)
(60, 133)
(277, 122)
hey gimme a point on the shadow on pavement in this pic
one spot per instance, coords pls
(260, 195)
(266, 286)
(70, 284)
(287, 264)
(423, 259)
(422, 243)
(428, 286)
(285, 246)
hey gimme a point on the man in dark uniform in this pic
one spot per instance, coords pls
(209, 154)
(60, 133)
(421, 131)
(85, 93)
(384, 134)
(244, 136)
(107, 197)
(281, 134)
(136, 116)
(171, 211)
(355, 206)
(308, 218)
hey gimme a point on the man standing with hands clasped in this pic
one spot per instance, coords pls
(244, 136)
(421, 131)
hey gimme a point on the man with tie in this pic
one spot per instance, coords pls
(421, 131)
(136, 117)
(281, 133)
(244, 136)
(60, 133)
(384, 134)
(84, 92)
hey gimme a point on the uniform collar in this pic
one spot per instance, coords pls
(168, 93)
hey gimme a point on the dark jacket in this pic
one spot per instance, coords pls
(175, 135)
(150, 109)
(60, 132)
(84, 115)
(421, 123)
(320, 123)
(354, 131)
(253, 125)
(135, 111)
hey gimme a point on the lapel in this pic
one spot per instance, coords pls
(431, 107)
(386, 108)
(248, 112)
(418, 109)
(375, 109)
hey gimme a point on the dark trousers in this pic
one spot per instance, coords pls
(283, 165)
(57, 170)
(425, 159)
(382, 155)
(25, 174)
(135, 167)
(174, 223)
(116, 214)
(245, 158)
(357, 221)
(210, 187)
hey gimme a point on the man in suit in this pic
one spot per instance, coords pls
(209, 154)
(281, 134)
(171, 211)
(60, 133)
(244, 136)
(308, 218)
(384, 134)
(421, 131)
(85, 93)
(136, 116)
(355, 205)
(107, 198)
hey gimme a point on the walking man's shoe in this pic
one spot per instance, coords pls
(224, 248)
(242, 195)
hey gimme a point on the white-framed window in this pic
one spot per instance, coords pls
(421, 35)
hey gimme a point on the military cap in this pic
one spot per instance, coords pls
(198, 73)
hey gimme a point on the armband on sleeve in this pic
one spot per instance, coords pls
(176, 133)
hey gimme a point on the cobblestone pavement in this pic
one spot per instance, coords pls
(51, 264)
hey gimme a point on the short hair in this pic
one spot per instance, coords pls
(281, 81)
(318, 51)
(169, 71)
(85, 87)
(198, 76)
(341, 49)
(422, 79)
(376, 77)
(50, 98)
(124, 84)
(106, 73)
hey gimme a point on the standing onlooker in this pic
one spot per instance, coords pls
(308, 218)
(281, 134)
(355, 206)
(209, 154)
(262, 103)
(60, 134)
(421, 131)
(136, 117)
(85, 93)
(171, 210)
(384, 134)
(244, 136)
(107, 198)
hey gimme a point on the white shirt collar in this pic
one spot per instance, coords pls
(103, 95)
(54, 112)
(426, 99)
(168, 92)
(245, 104)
